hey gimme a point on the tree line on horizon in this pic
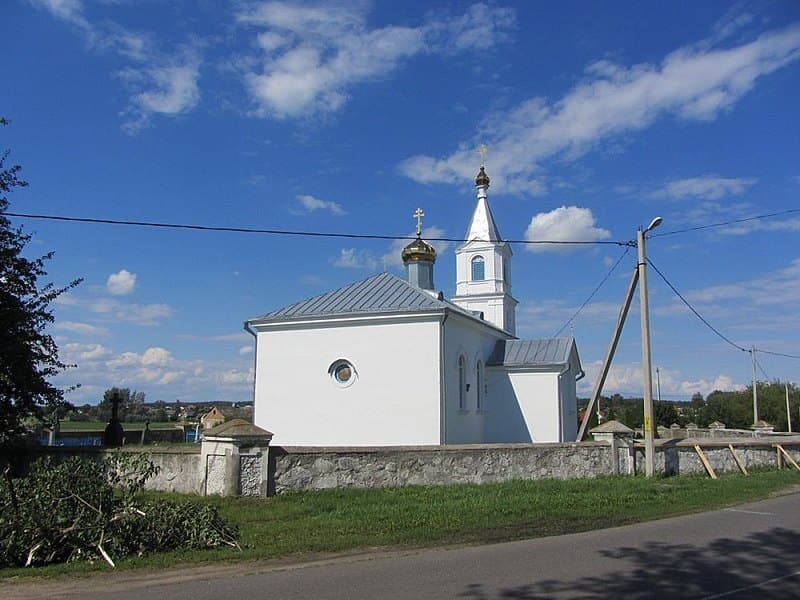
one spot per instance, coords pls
(734, 408)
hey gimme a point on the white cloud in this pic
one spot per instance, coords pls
(175, 89)
(113, 309)
(692, 83)
(160, 83)
(245, 350)
(156, 370)
(81, 328)
(164, 85)
(781, 287)
(627, 379)
(67, 10)
(156, 356)
(236, 376)
(567, 223)
(748, 308)
(311, 204)
(709, 187)
(121, 283)
(313, 55)
(722, 383)
(353, 258)
(76, 353)
(480, 28)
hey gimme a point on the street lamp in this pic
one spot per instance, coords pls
(649, 432)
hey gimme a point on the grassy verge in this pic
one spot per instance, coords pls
(338, 520)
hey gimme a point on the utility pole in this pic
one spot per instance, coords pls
(788, 411)
(755, 387)
(649, 432)
(612, 348)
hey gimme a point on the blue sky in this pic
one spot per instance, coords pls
(345, 117)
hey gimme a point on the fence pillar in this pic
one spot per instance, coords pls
(617, 436)
(234, 459)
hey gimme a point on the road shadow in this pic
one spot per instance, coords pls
(663, 570)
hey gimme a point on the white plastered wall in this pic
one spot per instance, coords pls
(533, 405)
(474, 341)
(395, 399)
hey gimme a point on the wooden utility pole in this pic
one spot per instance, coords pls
(612, 348)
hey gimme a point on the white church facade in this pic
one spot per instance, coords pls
(388, 361)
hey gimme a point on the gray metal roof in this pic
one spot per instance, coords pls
(378, 294)
(531, 353)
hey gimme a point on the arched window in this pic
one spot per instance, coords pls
(478, 270)
(462, 383)
(480, 385)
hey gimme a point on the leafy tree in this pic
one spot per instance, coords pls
(28, 355)
(665, 413)
(131, 405)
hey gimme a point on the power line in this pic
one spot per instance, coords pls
(711, 327)
(596, 289)
(697, 314)
(760, 368)
(286, 232)
(778, 353)
(726, 223)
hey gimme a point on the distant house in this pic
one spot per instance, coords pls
(212, 418)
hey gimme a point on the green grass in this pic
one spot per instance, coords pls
(100, 426)
(309, 523)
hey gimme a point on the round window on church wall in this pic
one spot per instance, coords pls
(342, 373)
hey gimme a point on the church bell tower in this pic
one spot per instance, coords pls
(483, 266)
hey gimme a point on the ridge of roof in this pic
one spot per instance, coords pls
(383, 292)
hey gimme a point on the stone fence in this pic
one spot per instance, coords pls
(236, 459)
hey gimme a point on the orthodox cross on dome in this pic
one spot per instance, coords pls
(418, 214)
(482, 149)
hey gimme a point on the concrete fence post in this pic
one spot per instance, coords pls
(234, 457)
(617, 436)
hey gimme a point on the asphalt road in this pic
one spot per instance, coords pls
(751, 551)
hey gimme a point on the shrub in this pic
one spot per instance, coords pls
(81, 509)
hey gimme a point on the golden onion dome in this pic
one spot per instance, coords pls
(419, 251)
(482, 178)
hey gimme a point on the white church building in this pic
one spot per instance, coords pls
(389, 361)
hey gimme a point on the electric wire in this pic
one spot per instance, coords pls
(692, 308)
(778, 353)
(760, 368)
(596, 289)
(711, 327)
(362, 236)
(726, 223)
